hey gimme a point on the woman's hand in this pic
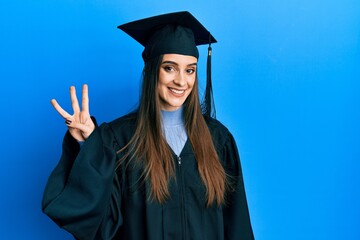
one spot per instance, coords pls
(80, 124)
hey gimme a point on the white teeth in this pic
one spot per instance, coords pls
(177, 91)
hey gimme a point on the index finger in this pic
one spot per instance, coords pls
(85, 98)
(59, 109)
(74, 100)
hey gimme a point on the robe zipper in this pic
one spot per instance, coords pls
(182, 200)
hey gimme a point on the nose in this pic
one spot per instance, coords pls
(180, 80)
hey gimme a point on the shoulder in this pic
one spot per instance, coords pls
(219, 132)
(216, 127)
(225, 146)
(125, 122)
(122, 128)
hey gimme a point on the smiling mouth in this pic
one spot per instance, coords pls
(176, 91)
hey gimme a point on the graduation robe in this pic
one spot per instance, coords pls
(91, 199)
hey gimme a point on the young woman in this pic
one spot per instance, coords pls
(165, 171)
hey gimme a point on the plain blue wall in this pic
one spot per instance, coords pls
(286, 80)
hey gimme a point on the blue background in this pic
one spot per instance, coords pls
(286, 81)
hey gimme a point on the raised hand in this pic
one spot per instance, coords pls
(80, 124)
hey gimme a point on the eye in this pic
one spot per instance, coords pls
(168, 68)
(190, 71)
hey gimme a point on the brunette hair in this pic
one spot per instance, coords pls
(149, 146)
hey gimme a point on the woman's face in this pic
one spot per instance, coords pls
(177, 76)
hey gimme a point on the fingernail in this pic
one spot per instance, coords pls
(68, 122)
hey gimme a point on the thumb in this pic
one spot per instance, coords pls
(84, 129)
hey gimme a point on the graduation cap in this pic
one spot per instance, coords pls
(178, 33)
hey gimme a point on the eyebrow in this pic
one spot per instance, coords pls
(175, 63)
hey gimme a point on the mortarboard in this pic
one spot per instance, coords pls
(179, 33)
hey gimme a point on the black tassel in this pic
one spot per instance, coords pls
(208, 103)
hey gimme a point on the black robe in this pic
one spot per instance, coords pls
(86, 196)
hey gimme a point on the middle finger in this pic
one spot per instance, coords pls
(74, 100)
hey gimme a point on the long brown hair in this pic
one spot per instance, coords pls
(149, 146)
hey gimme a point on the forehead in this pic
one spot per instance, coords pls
(180, 59)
